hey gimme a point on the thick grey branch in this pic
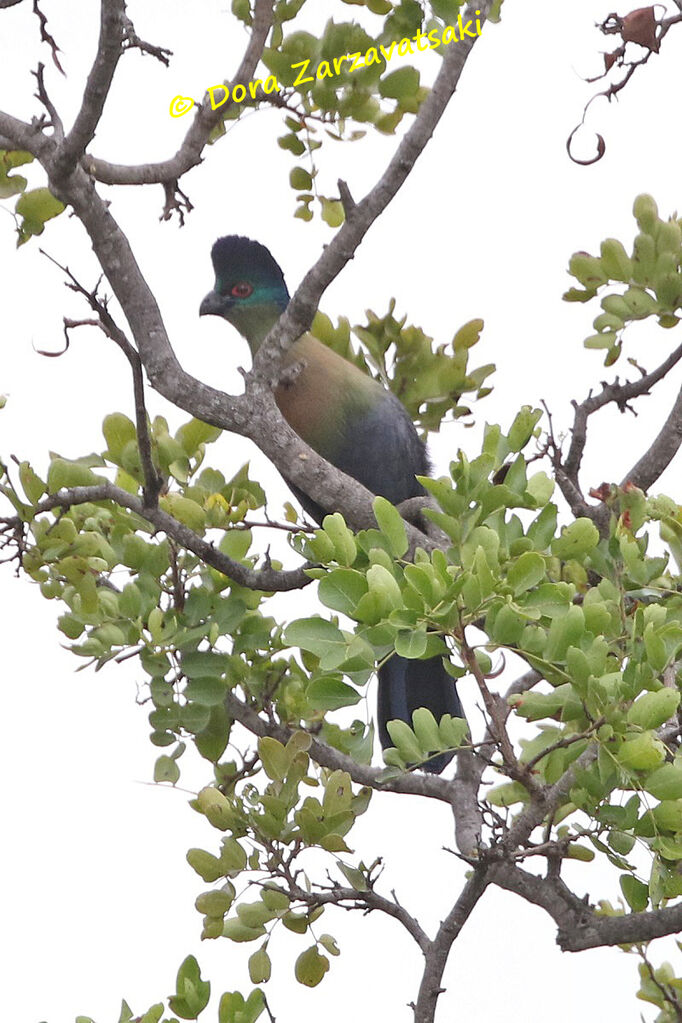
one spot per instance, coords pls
(16, 134)
(597, 931)
(470, 768)
(465, 805)
(437, 955)
(579, 927)
(550, 893)
(205, 120)
(109, 50)
(661, 453)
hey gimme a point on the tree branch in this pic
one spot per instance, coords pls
(546, 799)
(652, 464)
(18, 134)
(437, 955)
(106, 323)
(205, 120)
(414, 783)
(579, 927)
(550, 893)
(614, 393)
(254, 579)
(570, 485)
(597, 931)
(109, 50)
(367, 901)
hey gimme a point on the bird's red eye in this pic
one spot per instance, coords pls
(241, 290)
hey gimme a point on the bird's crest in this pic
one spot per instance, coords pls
(237, 257)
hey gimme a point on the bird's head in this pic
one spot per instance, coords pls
(249, 288)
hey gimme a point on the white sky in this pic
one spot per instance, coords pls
(97, 897)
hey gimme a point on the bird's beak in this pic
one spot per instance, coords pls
(212, 305)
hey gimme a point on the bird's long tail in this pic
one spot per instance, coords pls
(405, 685)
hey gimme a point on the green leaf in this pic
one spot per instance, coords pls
(540, 487)
(411, 643)
(341, 590)
(118, 431)
(522, 428)
(215, 807)
(392, 525)
(330, 693)
(36, 208)
(153, 1014)
(355, 877)
(576, 540)
(235, 930)
(526, 572)
(668, 848)
(184, 510)
(405, 741)
(192, 993)
(166, 769)
(300, 179)
(260, 966)
(311, 967)
(215, 903)
(345, 550)
(399, 84)
(207, 691)
(333, 213)
(329, 944)
(668, 815)
(255, 914)
(507, 794)
(235, 543)
(213, 738)
(642, 753)
(12, 184)
(206, 865)
(232, 856)
(63, 473)
(426, 729)
(655, 649)
(204, 664)
(542, 528)
(273, 757)
(453, 731)
(318, 636)
(508, 626)
(666, 782)
(651, 710)
(234, 1009)
(194, 433)
(34, 488)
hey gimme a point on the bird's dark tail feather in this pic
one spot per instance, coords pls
(405, 685)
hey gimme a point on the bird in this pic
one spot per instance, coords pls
(353, 422)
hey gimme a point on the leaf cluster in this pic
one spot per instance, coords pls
(651, 273)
